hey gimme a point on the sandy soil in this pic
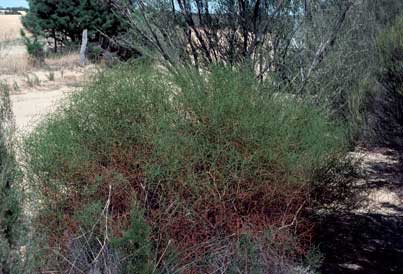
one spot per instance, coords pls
(28, 108)
(30, 103)
(39, 91)
(35, 91)
(382, 182)
(367, 239)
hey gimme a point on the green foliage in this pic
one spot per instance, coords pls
(65, 21)
(10, 211)
(387, 112)
(390, 44)
(135, 244)
(178, 144)
(94, 53)
(130, 106)
(34, 48)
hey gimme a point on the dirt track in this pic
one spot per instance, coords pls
(368, 239)
(28, 108)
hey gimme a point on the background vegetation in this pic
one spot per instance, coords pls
(10, 208)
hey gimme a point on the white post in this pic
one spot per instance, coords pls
(83, 47)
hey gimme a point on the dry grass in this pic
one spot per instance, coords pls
(14, 60)
(10, 26)
(13, 57)
(17, 71)
(65, 61)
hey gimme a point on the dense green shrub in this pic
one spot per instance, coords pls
(206, 157)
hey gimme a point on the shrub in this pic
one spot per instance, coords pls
(206, 157)
(135, 238)
(34, 48)
(10, 211)
(386, 116)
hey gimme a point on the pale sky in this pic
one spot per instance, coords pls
(13, 3)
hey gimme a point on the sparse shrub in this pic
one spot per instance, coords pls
(16, 87)
(206, 157)
(32, 81)
(36, 80)
(34, 47)
(95, 53)
(29, 81)
(10, 210)
(51, 76)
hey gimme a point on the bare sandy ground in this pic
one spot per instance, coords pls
(35, 91)
(31, 103)
(368, 239)
(30, 107)
(382, 182)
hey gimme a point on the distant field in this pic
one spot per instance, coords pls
(10, 26)
(13, 56)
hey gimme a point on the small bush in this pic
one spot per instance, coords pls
(16, 87)
(32, 81)
(51, 76)
(95, 53)
(34, 47)
(205, 156)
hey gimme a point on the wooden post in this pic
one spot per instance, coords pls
(83, 47)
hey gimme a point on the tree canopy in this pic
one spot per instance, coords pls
(64, 20)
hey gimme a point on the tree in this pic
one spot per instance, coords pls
(64, 20)
(346, 82)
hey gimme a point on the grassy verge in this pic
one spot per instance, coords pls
(11, 227)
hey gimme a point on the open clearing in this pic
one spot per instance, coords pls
(40, 91)
(35, 91)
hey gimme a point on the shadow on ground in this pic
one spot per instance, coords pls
(367, 239)
(358, 243)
